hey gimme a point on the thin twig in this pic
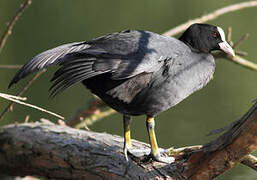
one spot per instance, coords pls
(86, 112)
(94, 118)
(211, 16)
(229, 33)
(241, 53)
(15, 97)
(243, 62)
(229, 39)
(31, 81)
(10, 25)
(21, 92)
(27, 119)
(5, 66)
(237, 60)
(10, 98)
(243, 38)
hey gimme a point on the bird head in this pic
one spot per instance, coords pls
(206, 38)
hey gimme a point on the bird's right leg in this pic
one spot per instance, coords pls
(127, 139)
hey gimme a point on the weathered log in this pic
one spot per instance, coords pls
(61, 152)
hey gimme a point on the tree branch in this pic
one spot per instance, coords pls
(61, 152)
(19, 100)
(89, 114)
(237, 60)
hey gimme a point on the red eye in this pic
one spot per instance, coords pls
(214, 34)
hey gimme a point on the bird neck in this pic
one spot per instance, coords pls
(193, 43)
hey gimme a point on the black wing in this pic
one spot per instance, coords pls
(50, 57)
(124, 55)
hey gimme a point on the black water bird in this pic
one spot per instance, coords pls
(136, 72)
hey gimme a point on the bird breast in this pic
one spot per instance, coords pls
(176, 81)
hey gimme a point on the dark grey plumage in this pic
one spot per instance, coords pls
(136, 72)
(129, 61)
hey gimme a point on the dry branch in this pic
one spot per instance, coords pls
(19, 100)
(61, 152)
(89, 114)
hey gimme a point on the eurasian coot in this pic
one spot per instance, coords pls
(136, 72)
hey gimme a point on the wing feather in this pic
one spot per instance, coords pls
(50, 57)
(124, 55)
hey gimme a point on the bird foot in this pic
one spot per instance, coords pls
(145, 155)
(135, 153)
(163, 159)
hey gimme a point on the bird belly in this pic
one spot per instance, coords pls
(163, 92)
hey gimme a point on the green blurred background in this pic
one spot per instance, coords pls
(49, 23)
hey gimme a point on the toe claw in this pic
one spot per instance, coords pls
(125, 150)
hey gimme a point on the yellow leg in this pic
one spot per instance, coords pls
(127, 139)
(155, 153)
(150, 128)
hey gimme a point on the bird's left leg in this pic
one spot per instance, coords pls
(155, 153)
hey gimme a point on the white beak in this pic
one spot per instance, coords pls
(224, 46)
